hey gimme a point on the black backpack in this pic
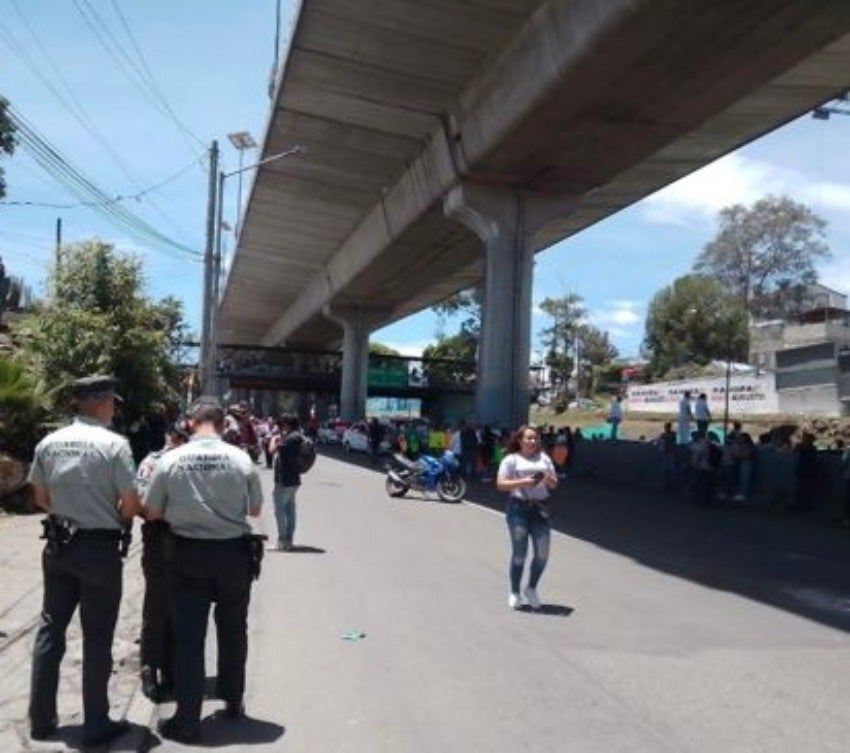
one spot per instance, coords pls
(306, 455)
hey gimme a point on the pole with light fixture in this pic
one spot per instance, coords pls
(824, 111)
(241, 141)
(215, 263)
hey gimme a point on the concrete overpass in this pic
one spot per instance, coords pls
(448, 142)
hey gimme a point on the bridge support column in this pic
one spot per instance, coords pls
(506, 222)
(357, 323)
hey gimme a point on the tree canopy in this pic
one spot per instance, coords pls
(694, 320)
(467, 303)
(8, 139)
(765, 255)
(568, 330)
(97, 320)
(461, 348)
(382, 350)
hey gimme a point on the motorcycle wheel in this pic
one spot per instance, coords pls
(395, 489)
(451, 489)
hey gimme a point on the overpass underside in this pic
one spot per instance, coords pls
(448, 142)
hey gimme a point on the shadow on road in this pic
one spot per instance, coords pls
(218, 731)
(790, 561)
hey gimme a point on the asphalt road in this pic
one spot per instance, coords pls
(665, 628)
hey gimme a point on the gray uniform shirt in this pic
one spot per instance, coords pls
(86, 467)
(205, 489)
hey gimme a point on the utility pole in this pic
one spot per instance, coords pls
(205, 361)
(58, 243)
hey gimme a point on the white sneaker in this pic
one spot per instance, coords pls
(532, 598)
(514, 601)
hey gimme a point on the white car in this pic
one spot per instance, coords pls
(331, 432)
(356, 439)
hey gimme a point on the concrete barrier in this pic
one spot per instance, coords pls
(631, 463)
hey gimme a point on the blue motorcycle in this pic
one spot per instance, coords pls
(427, 474)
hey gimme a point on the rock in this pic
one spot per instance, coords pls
(15, 494)
(13, 474)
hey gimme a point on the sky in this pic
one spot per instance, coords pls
(131, 94)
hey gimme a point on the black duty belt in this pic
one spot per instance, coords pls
(108, 534)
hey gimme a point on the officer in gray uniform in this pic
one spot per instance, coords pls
(84, 477)
(205, 490)
(156, 642)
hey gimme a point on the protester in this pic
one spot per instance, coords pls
(204, 491)
(702, 414)
(805, 473)
(705, 459)
(528, 475)
(287, 479)
(615, 415)
(83, 476)
(683, 429)
(746, 454)
(666, 443)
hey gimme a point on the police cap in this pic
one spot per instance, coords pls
(95, 388)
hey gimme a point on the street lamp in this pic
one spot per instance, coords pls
(823, 112)
(212, 293)
(241, 141)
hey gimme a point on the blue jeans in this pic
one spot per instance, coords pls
(284, 511)
(527, 521)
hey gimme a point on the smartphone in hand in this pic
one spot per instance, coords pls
(538, 477)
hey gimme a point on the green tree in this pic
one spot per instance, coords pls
(8, 139)
(467, 303)
(766, 254)
(559, 339)
(694, 320)
(22, 409)
(379, 349)
(98, 321)
(461, 350)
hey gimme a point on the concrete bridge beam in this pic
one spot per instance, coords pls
(507, 222)
(356, 322)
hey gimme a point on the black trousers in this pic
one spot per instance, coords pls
(156, 644)
(207, 572)
(86, 573)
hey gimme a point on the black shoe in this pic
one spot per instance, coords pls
(150, 689)
(234, 710)
(173, 729)
(43, 731)
(109, 731)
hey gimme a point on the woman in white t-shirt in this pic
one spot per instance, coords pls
(528, 474)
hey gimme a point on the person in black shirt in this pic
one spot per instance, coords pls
(287, 479)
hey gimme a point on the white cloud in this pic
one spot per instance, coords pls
(617, 314)
(732, 179)
(411, 349)
(735, 179)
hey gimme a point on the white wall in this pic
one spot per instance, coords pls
(747, 394)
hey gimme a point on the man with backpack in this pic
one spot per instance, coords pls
(293, 455)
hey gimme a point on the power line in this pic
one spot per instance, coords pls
(142, 80)
(72, 104)
(82, 187)
(112, 200)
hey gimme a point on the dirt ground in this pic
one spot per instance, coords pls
(650, 425)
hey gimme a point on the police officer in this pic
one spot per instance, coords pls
(156, 643)
(83, 475)
(205, 490)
